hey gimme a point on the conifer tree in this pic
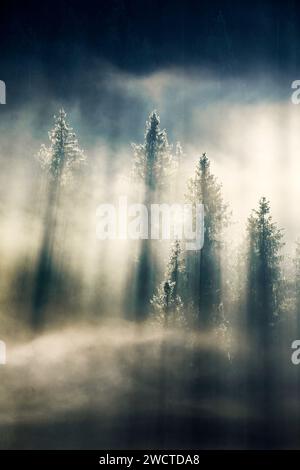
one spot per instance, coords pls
(166, 302)
(204, 269)
(263, 304)
(152, 167)
(153, 159)
(264, 273)
(61, 161)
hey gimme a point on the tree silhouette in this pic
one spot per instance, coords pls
(61, 161)
(152, 167)
(153, 159)
(264, 273)
(204, 267)
(166, 302)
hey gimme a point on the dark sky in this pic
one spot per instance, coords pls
(52, 49)
(58, 39)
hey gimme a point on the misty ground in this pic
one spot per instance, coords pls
(135, 386)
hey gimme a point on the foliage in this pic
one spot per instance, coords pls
(63, 157)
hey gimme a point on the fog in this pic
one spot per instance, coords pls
(88, 377)
(107, 378)
(248, 127)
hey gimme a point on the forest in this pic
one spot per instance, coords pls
(143, 342)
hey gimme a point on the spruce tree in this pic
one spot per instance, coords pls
(263, 267)
(204, 269)
(166, 302)
(263, 303)
(153, 159)
(152, 167)
(63, 158)
(61, 162)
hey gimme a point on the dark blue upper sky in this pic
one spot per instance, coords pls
(51, 50)
(59, 38)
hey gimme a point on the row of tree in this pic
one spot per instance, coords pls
(200, 287)
(200, 283)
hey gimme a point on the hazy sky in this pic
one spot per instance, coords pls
(219, 73)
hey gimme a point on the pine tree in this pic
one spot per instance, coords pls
(152, 167)
(63, 158)
(153, 160)
(205, 267)
(264, 273)
(61, 162)
(263, 303)
(166, 302)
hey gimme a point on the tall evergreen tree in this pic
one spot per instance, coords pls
(264, 273)
(152, 167)
(204, 269)
(61, 161)
(153, 159)
(263, 304)
(63, 158)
